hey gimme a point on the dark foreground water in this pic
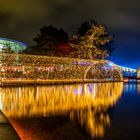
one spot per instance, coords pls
(104, 111)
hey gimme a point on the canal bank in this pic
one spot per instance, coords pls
(53, 82)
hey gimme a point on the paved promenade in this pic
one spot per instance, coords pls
(7, 132)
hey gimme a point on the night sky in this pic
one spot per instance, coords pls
(22, 19)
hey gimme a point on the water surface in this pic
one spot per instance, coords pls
(81, 111)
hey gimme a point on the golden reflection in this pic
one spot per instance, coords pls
(94, 122)
(87, 103)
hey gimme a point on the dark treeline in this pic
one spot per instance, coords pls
(90, 41)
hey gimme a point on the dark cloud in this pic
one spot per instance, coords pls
(21, 20)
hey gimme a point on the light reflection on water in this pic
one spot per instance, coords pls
(87, 104)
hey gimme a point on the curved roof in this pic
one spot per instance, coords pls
(13, 44)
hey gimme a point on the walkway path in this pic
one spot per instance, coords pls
(7, 132)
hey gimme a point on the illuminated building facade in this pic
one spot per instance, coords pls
(138, 72)
(12, 45)
(32, 67)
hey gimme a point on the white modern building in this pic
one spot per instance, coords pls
(13, 45)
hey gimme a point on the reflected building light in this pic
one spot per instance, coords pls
(85, 89)
(126, 88)
(75, 91)
(1, 105)
(1, 99)
(90, 88)
(45, 95)
(37, 91)
(19, 91)
(67, 88)
(94, 93)
(81, 89)
(91, 113)
(138, 88)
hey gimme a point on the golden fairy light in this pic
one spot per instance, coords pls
(22, 67)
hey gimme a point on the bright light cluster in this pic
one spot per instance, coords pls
(22, 66)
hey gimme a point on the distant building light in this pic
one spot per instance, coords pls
(110, 64)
